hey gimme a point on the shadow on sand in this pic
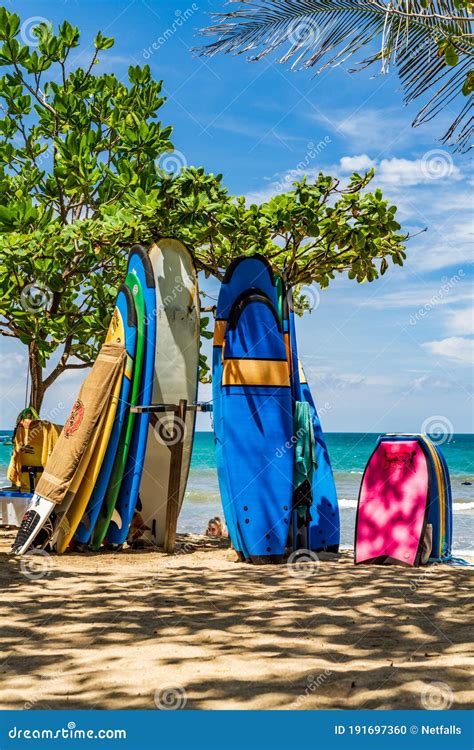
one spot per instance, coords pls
(119, 630)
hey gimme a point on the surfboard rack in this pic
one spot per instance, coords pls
(203, 406)
(173, 436)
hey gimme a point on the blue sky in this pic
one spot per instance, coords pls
(392, 355)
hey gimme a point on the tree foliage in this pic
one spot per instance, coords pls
(81, 181)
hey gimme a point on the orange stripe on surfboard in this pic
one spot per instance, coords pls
(219, 332)
(268, 372)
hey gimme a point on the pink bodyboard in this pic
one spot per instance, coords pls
(392, 503)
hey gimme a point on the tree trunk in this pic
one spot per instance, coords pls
(37, 389)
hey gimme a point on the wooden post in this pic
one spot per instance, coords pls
(174, 482)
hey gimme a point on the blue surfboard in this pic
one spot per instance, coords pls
(257, 422)
(139, 264)
(448, 541)
(243, 273)
(15, 494)
(323, 531)
(255, 272)
(126, 309)
(439, 512)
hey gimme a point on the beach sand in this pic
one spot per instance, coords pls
(117, 631)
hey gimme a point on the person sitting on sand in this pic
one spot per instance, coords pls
(216, 529)
(137, 528)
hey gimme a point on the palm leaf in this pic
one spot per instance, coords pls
(329, 32)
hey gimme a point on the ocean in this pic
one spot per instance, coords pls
(349, 454)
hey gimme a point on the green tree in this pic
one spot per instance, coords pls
(68, 145)
(429, 41)
(81, 181)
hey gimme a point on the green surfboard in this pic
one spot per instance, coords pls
(108, 506)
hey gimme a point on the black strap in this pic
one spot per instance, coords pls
(32, 472)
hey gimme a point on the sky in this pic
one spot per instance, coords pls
(394, 355)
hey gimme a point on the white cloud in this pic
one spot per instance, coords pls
(11, 363)
(461, 322)
(456, 348)
(430, 192)
(361, 163)
(435, 166)
(427, 382)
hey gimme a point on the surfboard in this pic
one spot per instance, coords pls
(42, 518)
(15, 494)
(36, 517)
(393, 503)
(124, 320)
(139, 264)
(243, 273)
(257, 420)
(448, 538)
(107, 509)
(323, 530)
(437, 502)
(176, 365)
(440, 499)
(70, 513)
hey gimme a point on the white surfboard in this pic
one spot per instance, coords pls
(35, 519)
(176, 377)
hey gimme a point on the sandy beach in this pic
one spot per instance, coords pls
(197, 630)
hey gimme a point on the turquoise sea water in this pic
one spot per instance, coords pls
(349, 454)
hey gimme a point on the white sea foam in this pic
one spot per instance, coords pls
(463, 506)
(345, 503)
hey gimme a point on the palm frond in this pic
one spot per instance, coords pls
(325, 33)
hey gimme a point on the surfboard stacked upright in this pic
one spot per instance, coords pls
(404, 512)
(258, 388)
(108, 475)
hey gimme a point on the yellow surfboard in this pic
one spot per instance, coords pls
(89, 468)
